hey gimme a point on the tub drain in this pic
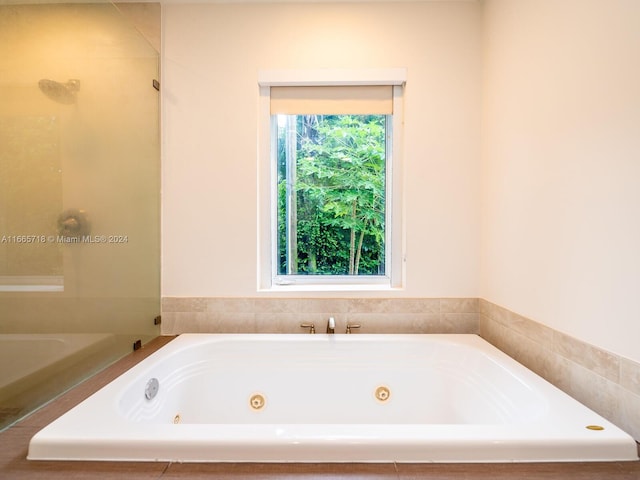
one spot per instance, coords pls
(151, 389)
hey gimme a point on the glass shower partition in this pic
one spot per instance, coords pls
(79, 193)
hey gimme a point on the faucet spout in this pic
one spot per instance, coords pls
(331, 325)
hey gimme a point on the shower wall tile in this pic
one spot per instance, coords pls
(603, 381)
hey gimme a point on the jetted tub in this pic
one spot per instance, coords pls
(330, 398)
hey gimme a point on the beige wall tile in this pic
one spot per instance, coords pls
(459, 323)
(429, 305)
(492, 331)
(530, 329)
(604, 382)
(167, 327)
(628, 415)
(183, 304)
(278, 305)
(394, 323)
(496, 313)
(229, 322)
(630, 376)
(595, 359)
(369, 305)
(268, 322)
(459, 305)
(484, 307)
(181, 322)
(592, 390)
(394, 305)
(416, 305)
(230, 305)
(390, 315)
(327, 306)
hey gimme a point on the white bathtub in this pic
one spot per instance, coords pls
(331, 398)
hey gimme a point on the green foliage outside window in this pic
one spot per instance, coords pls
(337, 184)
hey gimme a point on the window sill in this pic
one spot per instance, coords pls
(330, 288)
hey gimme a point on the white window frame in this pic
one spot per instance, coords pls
(268, 279)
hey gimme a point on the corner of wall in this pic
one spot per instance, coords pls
(605, 382)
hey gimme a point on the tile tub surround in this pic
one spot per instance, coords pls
(603, 381)
(284, 315)
(15, 466)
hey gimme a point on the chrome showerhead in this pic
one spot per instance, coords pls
(60, 92)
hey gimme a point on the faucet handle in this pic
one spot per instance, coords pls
(310, 326)
(352, 325)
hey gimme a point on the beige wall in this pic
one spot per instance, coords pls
(561, 185)
(211, 58)
(521, 186)
(557, 86)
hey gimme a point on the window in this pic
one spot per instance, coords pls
(329, 181)
(331, 199)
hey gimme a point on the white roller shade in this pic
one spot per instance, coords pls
(332, 100)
